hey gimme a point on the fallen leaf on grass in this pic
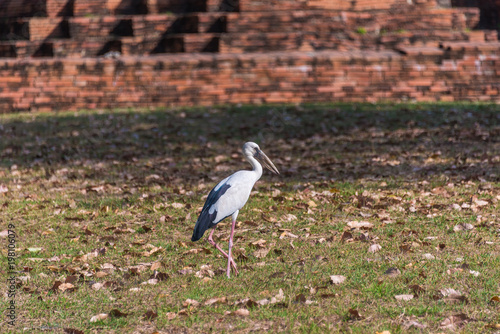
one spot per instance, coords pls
(115, 313)
(101, 274)
(66, 287)
(177, 205)
(417, 289)
(414, 323)
(392, 272)
(474, 273)
(171, 315)
(185, 271)
(220, 300)
(354, 314)
(300, 298)
(288, 234)
(101, 316)
(198, 250)
(153, 251)
(71, 279)
(480, 202)
(159, 276)
(241, 312)
(451, 296)
(191, 302)
(261, 243)
(346, 236)
(337, 279)
(428, 256)
(454, 322)
(261, 253)
(97, 286)
(360, 225)
(492, 326)
(72, 331)
(151, 281)
(374, 248)
(404, 297)
(150, 315)
(463, 227)
(288, 217)
(246, 302)
(495, 299)
(205, 270)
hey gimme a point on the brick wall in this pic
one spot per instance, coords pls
(420, 74)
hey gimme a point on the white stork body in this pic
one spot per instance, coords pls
(229, 196)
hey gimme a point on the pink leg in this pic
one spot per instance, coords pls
(229, 258)
(212, 242)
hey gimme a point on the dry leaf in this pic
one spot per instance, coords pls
(171, 315)
(178, 205)
(150, 315)
(115, 313)
(191, 302)
(66, 286)
(404, 297)
(261, 253)
(413, 323)
(452, 296)
(312, 204)
(360, 225)
(98, 317)
(205, 271)
(73, 331)
(374, 248)
(354, 314)
(392, 272)
(261, 243)
(101, 274)
(278, 298)
(242, 312)
(220, 300)
(480, 202)
(463, 227)
(288, 217)
(337, 279)
(454, 322)
(428, 256)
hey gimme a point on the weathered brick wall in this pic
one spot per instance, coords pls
(424, 75)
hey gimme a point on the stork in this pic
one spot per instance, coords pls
(229, 196)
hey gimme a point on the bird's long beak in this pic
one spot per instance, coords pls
(266, 162)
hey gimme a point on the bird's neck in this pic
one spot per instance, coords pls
(256, 166)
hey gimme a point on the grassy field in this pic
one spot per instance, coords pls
(384, 218)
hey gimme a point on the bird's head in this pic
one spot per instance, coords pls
(251, 149)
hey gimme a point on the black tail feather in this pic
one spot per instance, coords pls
(205, 221)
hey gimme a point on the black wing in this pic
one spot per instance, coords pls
(206, 219)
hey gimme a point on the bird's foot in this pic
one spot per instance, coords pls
(233, 267)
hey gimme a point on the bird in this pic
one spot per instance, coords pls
(228, 197)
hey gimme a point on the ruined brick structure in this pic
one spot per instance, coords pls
(73, 54)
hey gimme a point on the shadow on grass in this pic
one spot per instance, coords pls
(309, 142)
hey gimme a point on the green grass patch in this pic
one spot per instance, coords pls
(106, 202)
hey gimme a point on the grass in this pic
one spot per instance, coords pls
(105, 195)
